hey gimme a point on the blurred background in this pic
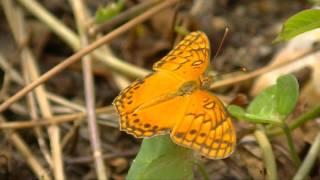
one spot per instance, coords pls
(30, 45)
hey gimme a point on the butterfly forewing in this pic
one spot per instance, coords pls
(148, 107)
(189, 59)
(169, 100)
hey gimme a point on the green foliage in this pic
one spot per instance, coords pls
(160, 158)
(182, 30)
(240, 113)
(264, 105)
(287, 95)
(105, 13)
(237, 111)
(273, 104)
(299, 23)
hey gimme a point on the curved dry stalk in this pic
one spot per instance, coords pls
(88, 159)
(59, 119)
(95, 28)
(19, 31)
(17, 78)
(75, 57)
(79, 11)
(32, 107)
(109, 60)
(26, 152)
(309, 161)
(267, 152)
(263, 70)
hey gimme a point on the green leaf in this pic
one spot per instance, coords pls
(105, 13)
(160, 158)
(299, 23)
(236, 111)
(182, 30)
(287, 94)
(276, 102)
(259, 119)
(273, 104)
(242, 115)
(264, 105)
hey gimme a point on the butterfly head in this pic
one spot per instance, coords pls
(206, 81)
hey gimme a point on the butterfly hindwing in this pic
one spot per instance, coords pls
(170, 100)
(206, 127)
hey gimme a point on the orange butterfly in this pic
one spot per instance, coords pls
(172, 100)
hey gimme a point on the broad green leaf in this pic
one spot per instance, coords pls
(242, 115)
(259, 119)
(273, 104)
(287, 94)
(299, 23)
(236, 111)
(160, 158)
(106, 13)
(276, 102)
(264, 105)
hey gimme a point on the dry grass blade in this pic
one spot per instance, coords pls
(19, 31)
(72, 59)
(79, 11)
(23, 148)
(263, 70)
(120, 18)
(34, 115)
(54, 120)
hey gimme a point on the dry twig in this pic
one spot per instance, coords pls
(75, 57)
(19, 31)
(80, 16)
(54, 120)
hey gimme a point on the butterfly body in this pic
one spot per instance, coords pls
(172, 100)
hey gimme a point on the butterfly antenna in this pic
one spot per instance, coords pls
(222, 41)
(241, 69)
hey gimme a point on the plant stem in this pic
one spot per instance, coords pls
(202, 170)
(27, 153)
(311, 114)
(20, 34)
(68, 36)
(266, 69)
(79, 10)
(268, 156)
(84, 51)
(309, 160)
(294, 155)
(58, 119)
(93, 28)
